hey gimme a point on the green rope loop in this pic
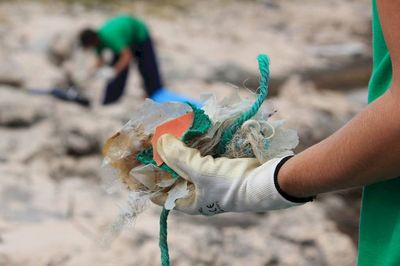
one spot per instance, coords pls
(263, 65)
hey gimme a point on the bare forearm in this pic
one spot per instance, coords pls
(365, 151)
(124, 61)
(99, 62)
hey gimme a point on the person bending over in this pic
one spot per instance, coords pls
(128, 38)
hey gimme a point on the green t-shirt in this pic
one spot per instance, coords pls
(121, 32)
(380, 214)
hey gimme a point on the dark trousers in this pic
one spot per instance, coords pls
(148, 69)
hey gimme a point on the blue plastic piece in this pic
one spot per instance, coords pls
(164, 95)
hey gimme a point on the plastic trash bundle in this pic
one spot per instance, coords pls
(123, 170)
(233, 128)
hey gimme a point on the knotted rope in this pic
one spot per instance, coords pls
(263, 65)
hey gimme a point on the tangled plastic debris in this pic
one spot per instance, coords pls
(257, 138)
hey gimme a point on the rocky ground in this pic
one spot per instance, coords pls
(53, 208)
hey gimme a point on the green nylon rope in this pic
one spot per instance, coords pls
(163, 241)
(201, 124)
(263, 65)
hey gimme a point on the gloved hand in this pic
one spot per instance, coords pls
(106, 72)
(222, 184)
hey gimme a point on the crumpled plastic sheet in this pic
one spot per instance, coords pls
(152, 114)
(231, 106)
(180, 190)
(136, 203)
(152, 177)
(257, 137)
(121, 149)
(283, 142)
(121, 170)
(263, 140)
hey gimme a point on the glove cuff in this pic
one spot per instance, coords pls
(283, 193)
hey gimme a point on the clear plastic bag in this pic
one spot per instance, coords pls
(121, 149)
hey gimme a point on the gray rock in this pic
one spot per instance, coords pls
(10, 73)
(280, 238)
(314, 114)
(345, 74)
(34, 143)
(66, 167)
(61, 47)
(11, 79)
(242, 77)
(233, 73)
(4, 260)
(82, 132)
(18, 109)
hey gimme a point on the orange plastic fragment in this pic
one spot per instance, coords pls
(176, 127)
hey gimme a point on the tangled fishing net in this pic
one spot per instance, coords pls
(232, 128)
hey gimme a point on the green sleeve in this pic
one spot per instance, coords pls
(379, 238)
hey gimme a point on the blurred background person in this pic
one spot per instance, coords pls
(128, 38)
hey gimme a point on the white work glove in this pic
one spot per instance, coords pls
(106, 72)
(222, 184)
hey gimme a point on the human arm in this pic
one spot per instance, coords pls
(109, 72)
(367, 149)
(364, 151)
(94, 68)
(123, 61)
(98, 62)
